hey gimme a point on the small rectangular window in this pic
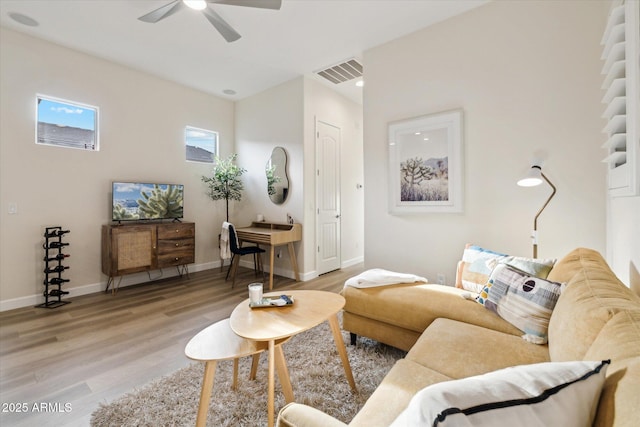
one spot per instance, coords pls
(66, 124)
(201, 145)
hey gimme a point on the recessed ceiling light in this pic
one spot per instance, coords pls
(23, 19)
(229, 92)
(360, 83)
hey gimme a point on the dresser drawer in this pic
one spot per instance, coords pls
(175, 252)
(175, 231)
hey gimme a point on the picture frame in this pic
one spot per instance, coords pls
(426, 164)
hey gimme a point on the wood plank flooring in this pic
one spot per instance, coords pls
(58, 365)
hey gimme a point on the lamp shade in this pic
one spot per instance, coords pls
(533, 178)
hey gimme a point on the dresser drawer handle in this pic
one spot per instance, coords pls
(177, 244)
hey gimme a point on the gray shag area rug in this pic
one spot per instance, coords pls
(317, 377)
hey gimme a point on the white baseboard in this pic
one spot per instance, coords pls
(128, 280)
(351, 262)
(138, 278)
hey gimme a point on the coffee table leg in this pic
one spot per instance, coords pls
(234, 386)
(337, 337)
(205, 393)
(254, 366)
(272, 384)
(283, 375)
(271, 256)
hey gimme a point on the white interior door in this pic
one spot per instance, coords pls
(328, 197)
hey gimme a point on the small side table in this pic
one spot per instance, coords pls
(219, 342)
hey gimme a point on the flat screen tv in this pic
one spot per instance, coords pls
(139, 201)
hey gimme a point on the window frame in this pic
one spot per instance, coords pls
(72, 104)
(216, 148)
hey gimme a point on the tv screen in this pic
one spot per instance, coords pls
(136, 201)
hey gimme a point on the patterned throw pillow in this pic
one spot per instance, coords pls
(534, 266)
(483, 296)
(523, 300)
(475, 267)
(477, 264)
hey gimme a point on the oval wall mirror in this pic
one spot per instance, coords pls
(277, 179)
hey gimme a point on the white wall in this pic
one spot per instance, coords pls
(624, 239)
(323, 104)
(285, 116)
(270, 119)
(527, 75)
(142, 121)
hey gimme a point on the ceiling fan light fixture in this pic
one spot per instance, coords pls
(196, 4)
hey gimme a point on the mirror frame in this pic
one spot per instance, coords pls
(277, 176)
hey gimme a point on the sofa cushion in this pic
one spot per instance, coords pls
(546, 394)
(414, 306)
(458, 349)
(619, 340)
(393, 395)
(590, 299)
(523, 300)
(620, 399)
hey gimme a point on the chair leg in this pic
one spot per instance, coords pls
(234, 265)
(261, 265)
(230, 264)
(255, 265)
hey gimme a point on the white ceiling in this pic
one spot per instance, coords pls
(301, 38)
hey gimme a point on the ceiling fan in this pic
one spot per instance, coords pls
(204, 6)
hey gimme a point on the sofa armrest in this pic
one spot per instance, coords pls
(298, 415)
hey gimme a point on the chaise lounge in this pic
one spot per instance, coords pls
(450, 337)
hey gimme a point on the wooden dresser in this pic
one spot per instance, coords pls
(132, 248)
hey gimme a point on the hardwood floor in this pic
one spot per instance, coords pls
(58, 365)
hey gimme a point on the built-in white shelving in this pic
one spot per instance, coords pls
(621, 84)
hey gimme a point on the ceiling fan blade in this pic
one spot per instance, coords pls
(262, 4)
(162, 12)
(221, 25)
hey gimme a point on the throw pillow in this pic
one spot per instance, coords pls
(536, 267)
(544, 394)
(474, 269)
(523, 300)
(483, 296)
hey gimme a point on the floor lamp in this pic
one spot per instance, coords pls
(533, 178)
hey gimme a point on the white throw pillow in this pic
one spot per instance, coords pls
(562, 394)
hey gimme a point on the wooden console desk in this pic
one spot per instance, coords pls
(273, 234)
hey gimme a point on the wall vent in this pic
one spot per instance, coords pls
(342, 72)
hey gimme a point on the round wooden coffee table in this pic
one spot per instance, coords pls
(218, 342)
(310, 308)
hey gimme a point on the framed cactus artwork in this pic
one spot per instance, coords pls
(425, 164)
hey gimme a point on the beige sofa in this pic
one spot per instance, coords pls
(451, 337)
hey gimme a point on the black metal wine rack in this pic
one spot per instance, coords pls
(53, 267)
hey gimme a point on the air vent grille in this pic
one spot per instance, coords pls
(343, 72)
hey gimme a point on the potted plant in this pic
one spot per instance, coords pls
(225, 183)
